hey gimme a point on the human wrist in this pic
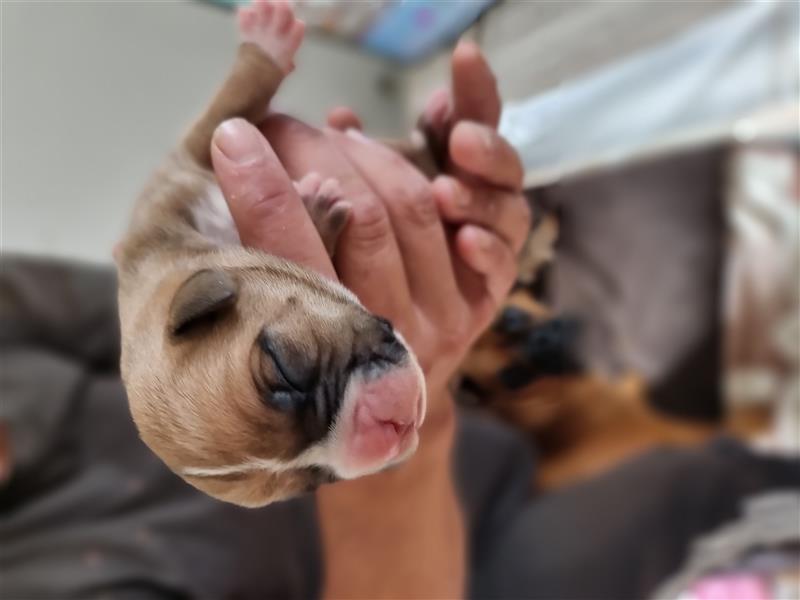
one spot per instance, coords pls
(438, 429)
(371, 526)
(426, 469)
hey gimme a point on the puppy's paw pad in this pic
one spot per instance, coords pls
(331, 222)
(330, 190)
(318, 195)
(308, 187)
(337, 216)
(272, 26)
(325, 206)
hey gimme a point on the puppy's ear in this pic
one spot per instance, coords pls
(205, 294)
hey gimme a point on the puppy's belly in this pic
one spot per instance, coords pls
(213, 219)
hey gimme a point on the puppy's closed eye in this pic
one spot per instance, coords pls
(285, 378)
(295, 368)
(289, 380)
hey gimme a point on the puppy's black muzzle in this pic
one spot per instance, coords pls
(311, 386)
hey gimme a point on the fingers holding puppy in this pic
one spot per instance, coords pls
(367, 244)
(343, 118)
(482, 152)
(262, 199)
(489, 256)
(412, 213)
(501, 211)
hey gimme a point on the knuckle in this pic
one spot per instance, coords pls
(516, 166)
(266, 202)
(416, 205)
(486, 310)
(524, 223)
(497, 288)
(370, 225)
(452, 328)
(516, 221)
(452, 335)
(505, 154)
(500, 255)
(490, 206)
(507, 260)
(506, 280)
(524, 215)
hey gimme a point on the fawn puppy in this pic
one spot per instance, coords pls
(250, 377)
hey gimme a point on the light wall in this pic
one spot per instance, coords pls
(95, 93)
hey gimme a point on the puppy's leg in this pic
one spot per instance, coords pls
(324, 203)
(270, 37)
(163, 216)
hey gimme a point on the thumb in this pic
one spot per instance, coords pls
(266, 209)
(342, 118)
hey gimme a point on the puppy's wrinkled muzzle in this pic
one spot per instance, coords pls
(387, 412)
(366, 394)
(383, 405)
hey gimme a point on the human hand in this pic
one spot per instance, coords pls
(262, 199)
(356, 517)
(480, 193)
(390, 216)
(480, 196)
(395, 253)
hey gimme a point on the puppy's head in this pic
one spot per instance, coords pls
(267, 381)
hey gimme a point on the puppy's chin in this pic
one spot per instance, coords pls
(259, 487)
(377, 425)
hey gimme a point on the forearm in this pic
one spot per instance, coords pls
(398, 534)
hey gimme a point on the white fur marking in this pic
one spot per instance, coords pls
(314, 456)
(213, 219)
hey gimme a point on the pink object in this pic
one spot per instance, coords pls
(733, 586)
(424, 17)
(388, 412)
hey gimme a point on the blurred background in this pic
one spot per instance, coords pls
(659, 299)
(653, 73)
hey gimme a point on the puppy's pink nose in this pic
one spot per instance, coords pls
(387, 415)
(393, 396)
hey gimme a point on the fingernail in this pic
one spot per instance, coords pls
(239, 141)
(467, 45)
(460, 199)
(485, 242)
(480, 132)
(355, 134)
(486, 138)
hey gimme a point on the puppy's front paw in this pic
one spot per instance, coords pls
(272, 26)
(323, 201)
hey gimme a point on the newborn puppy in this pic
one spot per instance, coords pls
(250, 377)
